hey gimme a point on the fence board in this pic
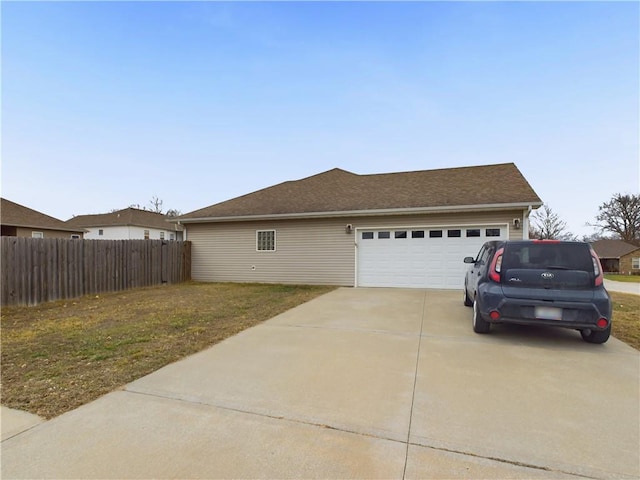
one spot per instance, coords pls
(36, 270)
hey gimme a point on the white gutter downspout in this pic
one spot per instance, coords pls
(525, 228)
(184, 231)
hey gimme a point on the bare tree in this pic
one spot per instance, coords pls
(547, 225)
(621, 216)
(156, 204)
(155, 207)
(593, 237)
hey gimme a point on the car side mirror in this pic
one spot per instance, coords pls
(469, 260)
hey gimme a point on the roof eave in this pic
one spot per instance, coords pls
(169, 225)
(60, 229)
(363, 213)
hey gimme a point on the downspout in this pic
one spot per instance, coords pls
(184, 232)
(525, 223)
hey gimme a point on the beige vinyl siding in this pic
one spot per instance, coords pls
(307, 252)
(312, 251)
(47, 233)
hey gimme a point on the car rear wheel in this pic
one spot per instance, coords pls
(596, 336)
(480, 325)
(467, 300)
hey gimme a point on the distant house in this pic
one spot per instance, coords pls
(405, 229)
(127, 224)
(19, 221)
(618, 256)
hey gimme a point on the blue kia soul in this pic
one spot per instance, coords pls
(539, 282)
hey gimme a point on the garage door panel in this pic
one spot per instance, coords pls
(429, 262)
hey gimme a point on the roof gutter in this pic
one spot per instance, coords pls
(363, 213)
(40, 227)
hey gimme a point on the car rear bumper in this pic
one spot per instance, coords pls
(524, 311)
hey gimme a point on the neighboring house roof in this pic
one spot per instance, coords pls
(16, 215)
(126, 217)
(338, 191)
(613, 248)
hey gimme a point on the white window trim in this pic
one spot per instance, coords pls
(636, 261)
(274, 240)
(37, 234)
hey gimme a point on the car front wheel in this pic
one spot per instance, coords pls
(480, 325)
(596, 336)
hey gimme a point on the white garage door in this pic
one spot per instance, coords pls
(429, 257)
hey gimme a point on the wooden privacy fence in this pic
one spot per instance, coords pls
(36, 270)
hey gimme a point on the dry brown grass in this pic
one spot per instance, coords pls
(58, 356)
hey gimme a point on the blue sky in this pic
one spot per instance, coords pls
(106, 104)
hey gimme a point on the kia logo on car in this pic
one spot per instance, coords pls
(547, 275)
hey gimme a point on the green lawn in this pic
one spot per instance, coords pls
(623, 278)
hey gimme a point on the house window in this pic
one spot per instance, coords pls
(75, 237)
(492, 232)
(146, 234)
(37, 235)
(367, 235)
(101, 232)
(172, 236)
(635, 263)
(417, 234)
(473, 232)
(266, 240)
(400, 234)
(161, 235)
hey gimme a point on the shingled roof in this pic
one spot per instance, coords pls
(125, 217)
(16, 215)
(339, 191)
(613, 248)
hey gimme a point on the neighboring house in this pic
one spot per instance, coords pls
(20, 221)
(128, 224)
(409, 229)
(618, 256)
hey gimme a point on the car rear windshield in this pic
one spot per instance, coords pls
(548, 256)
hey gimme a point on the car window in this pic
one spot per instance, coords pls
(485, 255)
(481, 253)
(562, 256)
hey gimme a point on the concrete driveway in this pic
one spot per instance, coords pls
(360, 383)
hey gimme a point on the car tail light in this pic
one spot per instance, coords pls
(602, 322)
(494, 314)
(597, 268)
(496, 266)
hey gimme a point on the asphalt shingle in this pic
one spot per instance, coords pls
(338, 190)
